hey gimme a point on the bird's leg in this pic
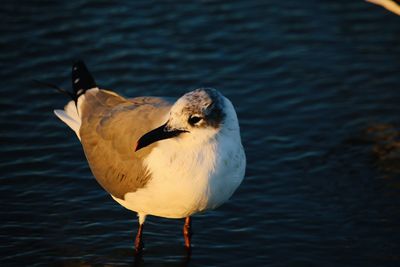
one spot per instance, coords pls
(187, 232)
(138, 241)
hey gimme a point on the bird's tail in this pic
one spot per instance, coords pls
(82, 81)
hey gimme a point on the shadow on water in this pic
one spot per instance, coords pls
(378, 143)
(385, 140)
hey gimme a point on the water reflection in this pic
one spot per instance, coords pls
(161, 258)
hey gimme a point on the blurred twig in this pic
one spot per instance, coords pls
(388, 4)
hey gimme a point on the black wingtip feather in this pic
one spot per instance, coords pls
(82, 80)
(53, 86)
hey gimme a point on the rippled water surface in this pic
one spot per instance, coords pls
(316, 85)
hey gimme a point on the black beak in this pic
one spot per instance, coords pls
(155, 135)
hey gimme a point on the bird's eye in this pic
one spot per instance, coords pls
(194, 119)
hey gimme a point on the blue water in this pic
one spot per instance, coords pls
(316, 85)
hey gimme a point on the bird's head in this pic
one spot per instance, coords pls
(200, 112)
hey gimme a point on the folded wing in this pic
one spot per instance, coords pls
(110, 128)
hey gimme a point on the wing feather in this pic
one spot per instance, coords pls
(111, 126)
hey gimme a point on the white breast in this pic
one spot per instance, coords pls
(197, 171)
(188, 177)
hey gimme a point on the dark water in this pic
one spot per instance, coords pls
(316, 85)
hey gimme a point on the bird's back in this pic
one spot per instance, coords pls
(110, 128)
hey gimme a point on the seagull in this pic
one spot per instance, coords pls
(157, 156)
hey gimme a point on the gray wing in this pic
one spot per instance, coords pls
(111, 126)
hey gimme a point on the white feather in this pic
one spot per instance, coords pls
(192, 173)
(71, 115)
(69, 120)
